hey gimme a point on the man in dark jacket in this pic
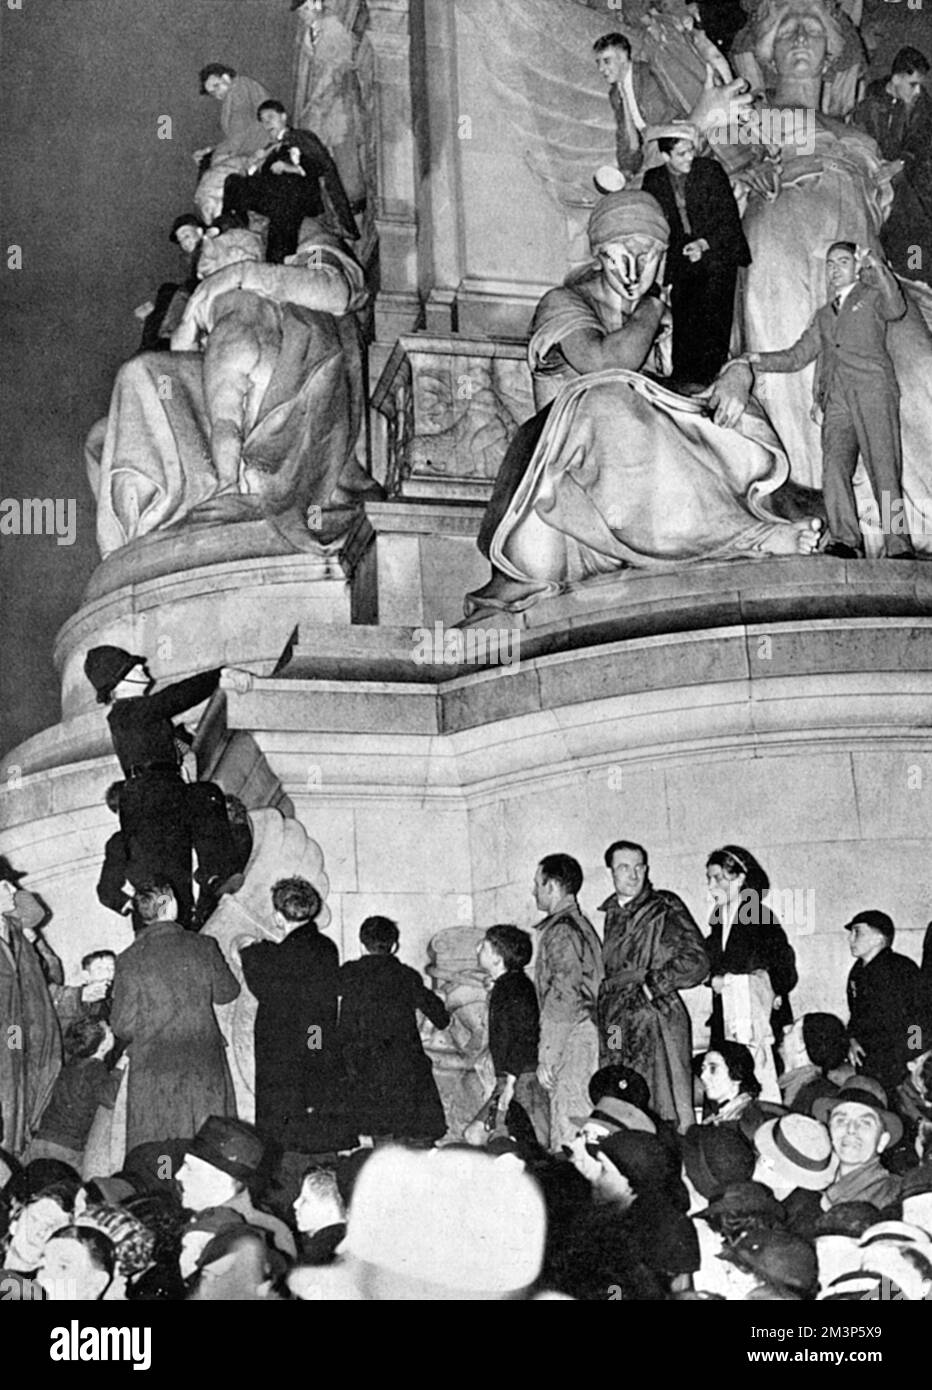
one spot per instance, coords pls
(897, 112)
(291, 185)
(390, 1086)
(295, 983)
(514, 1029)
(707, 245)
(883, 1001)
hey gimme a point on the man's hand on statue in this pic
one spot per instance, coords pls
(856, 1053)
(546, 1077)
(237, 680)
(730, 394)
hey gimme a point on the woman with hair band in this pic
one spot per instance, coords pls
(746, 939)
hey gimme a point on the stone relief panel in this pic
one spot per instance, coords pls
(451, 411)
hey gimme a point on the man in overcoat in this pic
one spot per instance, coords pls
(30, 1041)
(651, 950)
(164, 991)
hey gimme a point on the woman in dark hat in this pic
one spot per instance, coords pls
(745, 936)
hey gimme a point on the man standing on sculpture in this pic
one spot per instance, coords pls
(569, 970)
(652, 948)
(707, 246)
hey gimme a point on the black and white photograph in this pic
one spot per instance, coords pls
(466, 681)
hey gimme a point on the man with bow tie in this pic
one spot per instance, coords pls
(296, 178)
(857, 395)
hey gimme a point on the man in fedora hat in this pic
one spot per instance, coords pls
(163, 818)
(795, 1160)
(861, 1128)
(223, 1161)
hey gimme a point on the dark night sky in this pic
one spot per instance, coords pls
(89, 193)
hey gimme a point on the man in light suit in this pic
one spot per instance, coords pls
(857, 394)
(636, 96)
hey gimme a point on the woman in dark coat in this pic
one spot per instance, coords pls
(745, 936)
(390, 1085)
(295, 984)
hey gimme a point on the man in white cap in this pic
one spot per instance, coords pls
(447, 1225)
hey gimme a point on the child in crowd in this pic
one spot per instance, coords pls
(389, 1081)
(84, 1083)
(514, 1034)
(90, 997)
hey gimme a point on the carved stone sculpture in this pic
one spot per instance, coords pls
(284, 382)
(459, 1055)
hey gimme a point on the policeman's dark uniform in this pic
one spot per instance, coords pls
(162, 817)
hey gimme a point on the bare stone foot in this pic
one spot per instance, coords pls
(799, 538)
(502, 593)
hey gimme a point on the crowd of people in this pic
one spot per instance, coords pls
(789, 1160)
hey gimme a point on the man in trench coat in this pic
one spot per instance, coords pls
(652, 948)
(164, 991)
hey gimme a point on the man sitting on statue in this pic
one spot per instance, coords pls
(616, 470)
(292, 182)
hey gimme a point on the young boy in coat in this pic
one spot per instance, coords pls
(857, 394)
(84, 1083)
(514, 1035)
(389, 1080)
